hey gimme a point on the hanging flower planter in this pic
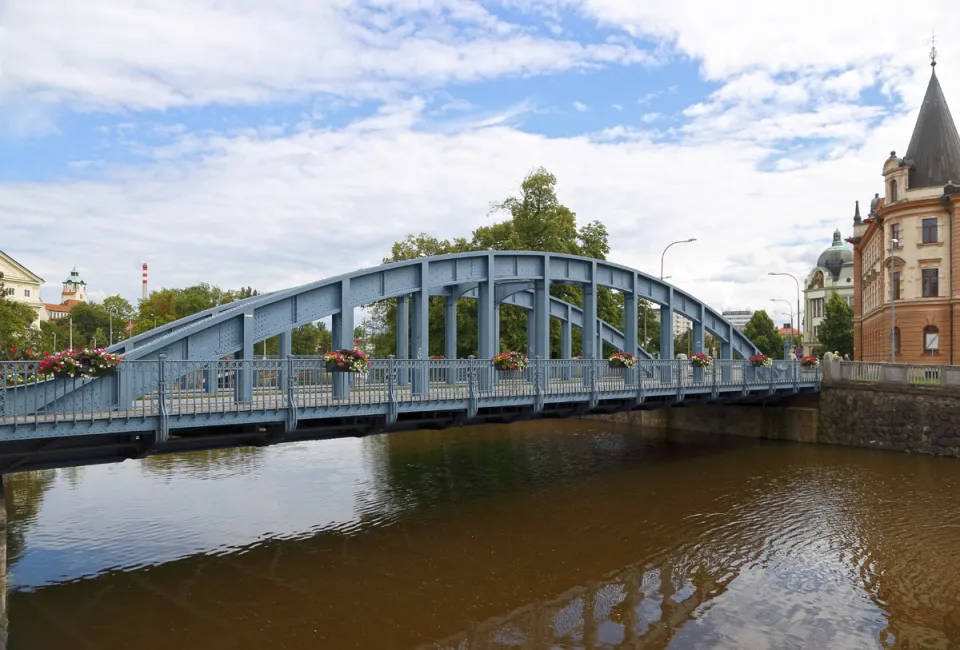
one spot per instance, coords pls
(346, 361)
(623, 360)
(87, 363)
(761, 361)
(510, 361)
(810, 362)
(701, 360)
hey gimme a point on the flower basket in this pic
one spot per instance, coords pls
(701, 360)
(87, 363)
(810, 362)
(623, 360)
(761, 361)
(346, 361)
(510, 361)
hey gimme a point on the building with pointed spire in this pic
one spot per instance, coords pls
(907, 250)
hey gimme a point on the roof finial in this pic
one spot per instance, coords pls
(933, 48)
(856, 213)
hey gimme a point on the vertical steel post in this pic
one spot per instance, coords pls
(450, 336)
(245, 366)
(343, 338)
(403, 340)
(666, 338)
(541, 313)
(566, 344)
(486, 326)
(630, 320)
(420, 308)
(589, 332)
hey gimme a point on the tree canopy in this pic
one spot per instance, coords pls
(536, 220)
(763, 332)
(836, 330)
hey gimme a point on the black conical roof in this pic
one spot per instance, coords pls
(934, 151)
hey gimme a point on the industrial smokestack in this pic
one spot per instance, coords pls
(144, 281)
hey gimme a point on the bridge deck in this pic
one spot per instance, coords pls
(154, 402)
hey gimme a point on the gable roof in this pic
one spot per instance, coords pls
(27, 272)
(934, 150)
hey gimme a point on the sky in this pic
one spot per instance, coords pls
(270, 144)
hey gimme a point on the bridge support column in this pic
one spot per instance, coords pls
(450, 337)
(531, 334)
(343, 339)
(566, 345)
(284, 349)
(630, 320)
(486, 326)
(589, 338)
(420, 306)
(245, 371)
(726, 370)
(403, 341)
(496, 331)
(666, 340)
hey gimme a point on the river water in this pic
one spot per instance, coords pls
(553, 534)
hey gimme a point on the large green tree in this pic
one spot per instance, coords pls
(836, 330)
(536, 220)
(16, 335)
(763, 332)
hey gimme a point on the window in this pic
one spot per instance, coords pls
(9, 291)
(931, 338)
(895, 234)
(816, 307)
(930, 231)
(26, 293)
(896, 285)
(896, 339)
(930, 283)
(893, 191)
(816, 332)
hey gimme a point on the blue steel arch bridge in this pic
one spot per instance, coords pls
(196, 383)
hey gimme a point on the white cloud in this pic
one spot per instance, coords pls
(580, 107)
(143, 54)
(274, 207)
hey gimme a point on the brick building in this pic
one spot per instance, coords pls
(907, 250)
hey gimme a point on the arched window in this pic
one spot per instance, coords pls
(931, 339)
(893, 191)
(896, 340)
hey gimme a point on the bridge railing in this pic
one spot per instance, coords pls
(140, 389)
(895, 373)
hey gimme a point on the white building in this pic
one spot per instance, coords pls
(738, 317)
(22, 285)
(832, 274)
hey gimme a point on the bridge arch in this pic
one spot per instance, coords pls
(520, 278)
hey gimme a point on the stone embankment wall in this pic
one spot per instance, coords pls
(891, 406)
(897, 407)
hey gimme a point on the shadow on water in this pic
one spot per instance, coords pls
(535, 535)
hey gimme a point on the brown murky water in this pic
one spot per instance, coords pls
(536, 535)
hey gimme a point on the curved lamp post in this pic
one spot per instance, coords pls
(789, 275)
(682, 241)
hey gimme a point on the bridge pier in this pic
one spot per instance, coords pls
(589, 329)
(630, 325)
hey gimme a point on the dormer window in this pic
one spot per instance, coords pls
(893, 191)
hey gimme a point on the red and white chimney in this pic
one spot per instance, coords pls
(144, 296)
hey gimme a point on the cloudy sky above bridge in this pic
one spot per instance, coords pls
(272, 143)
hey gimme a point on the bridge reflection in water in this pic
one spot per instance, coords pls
(542, 535)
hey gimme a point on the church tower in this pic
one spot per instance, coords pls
(74, 289)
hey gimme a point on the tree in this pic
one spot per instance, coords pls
(763, 332)
(119, 306)
(537, 221)
(836, 329)
(16, 319)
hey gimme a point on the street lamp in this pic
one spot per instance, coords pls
(798, 296)
(893, 308)
(682, 241)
